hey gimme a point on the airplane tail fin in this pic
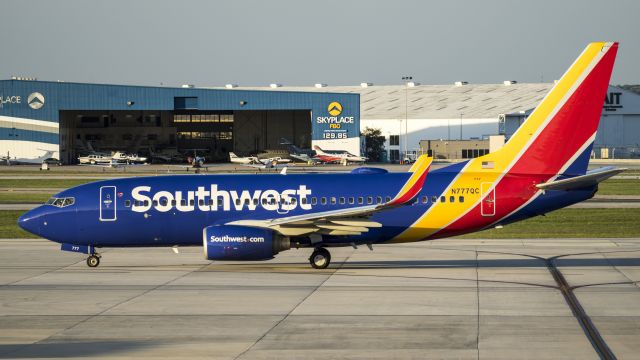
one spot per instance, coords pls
(318, 149)
(232, 155)
(558, 135)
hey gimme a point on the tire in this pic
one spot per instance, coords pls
(93, 261)
(320, 258)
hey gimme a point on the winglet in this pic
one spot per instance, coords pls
(413, 186)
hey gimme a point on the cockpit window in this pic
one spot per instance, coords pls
(61, 202)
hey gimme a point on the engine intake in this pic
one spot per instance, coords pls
(230, 242)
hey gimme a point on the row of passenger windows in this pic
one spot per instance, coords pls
(370, 200)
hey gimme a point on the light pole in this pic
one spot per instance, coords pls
(461, 126)
(406, 79)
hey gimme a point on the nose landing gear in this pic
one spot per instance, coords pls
(320, 258)
(93, 260)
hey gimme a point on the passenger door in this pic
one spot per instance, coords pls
(488, 204)
(108, 203)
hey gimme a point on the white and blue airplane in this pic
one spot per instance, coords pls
(543, 167)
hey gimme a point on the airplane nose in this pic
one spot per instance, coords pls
(29, 221)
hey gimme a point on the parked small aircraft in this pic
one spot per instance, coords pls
(235, 159)
(253, 160)
(9, 160)
(297, 154)
(337, 156)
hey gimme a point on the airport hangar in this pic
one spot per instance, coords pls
(463, 115)
(67, 119)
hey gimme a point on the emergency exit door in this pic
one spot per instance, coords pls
(488, 204)
(108, 203)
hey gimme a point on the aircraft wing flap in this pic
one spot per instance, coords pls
(591, 178)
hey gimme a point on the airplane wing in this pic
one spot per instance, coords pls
(343, 222)
(591, 178)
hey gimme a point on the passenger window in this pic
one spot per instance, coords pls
(360, 200)
(342, 200)
(293, 201)
(192, 202)
(173, 202)
(127, 203)
(323, 200)
(443, 199)
(388, 199)
(452, 199)
(237, 201)
(333, 200)
(369, 200)
(314, 200)
(379, 199)
(163, 201)
(434, 199)
(183, 202)
(425, 199)
(352, 200)
(303, 201)
(155, 202)
(146, 203)
(264, 201)
(461, 199)
(255, 201)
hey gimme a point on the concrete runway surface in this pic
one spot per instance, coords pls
(445, 299)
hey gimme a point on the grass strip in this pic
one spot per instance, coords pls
(570, 223)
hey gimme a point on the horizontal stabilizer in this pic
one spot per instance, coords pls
(591, 178)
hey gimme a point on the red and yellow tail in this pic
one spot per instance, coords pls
(550, 141)
(565, 123)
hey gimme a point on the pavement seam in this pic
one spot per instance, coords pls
(44, 273)
(598, 343)
(294, 308)
(636, 283)
(87, 318)
(478, 306)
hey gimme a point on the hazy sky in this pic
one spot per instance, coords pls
(297, 42)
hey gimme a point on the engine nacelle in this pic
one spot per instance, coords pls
(230, 242)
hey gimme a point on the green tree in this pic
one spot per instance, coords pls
(374, 144)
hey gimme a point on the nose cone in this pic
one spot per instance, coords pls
(30, 221)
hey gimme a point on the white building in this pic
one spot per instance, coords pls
(412, 112)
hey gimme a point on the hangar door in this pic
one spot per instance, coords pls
(260, 130)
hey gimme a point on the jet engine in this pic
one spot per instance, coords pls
(230, 242)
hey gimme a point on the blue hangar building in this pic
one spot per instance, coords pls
(41, 119)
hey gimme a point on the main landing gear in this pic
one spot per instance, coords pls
(93, 260)
(320, 258)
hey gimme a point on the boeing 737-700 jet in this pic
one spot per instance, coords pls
(543, 167)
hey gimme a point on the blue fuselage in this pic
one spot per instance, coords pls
(174, 210)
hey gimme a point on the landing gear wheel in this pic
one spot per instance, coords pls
(320, 258)
(93, 261)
